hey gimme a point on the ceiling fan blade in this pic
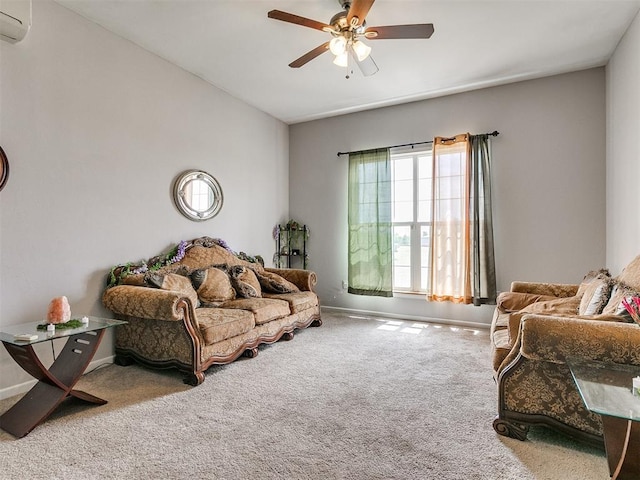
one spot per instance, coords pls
(307, 57)
(298, 20)
(421, 30)
(360, 9)
(367, 66)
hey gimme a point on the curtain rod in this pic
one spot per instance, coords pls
(495, 133)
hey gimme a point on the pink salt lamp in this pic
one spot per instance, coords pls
(59, 310)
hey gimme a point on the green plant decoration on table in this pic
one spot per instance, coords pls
(73, 323)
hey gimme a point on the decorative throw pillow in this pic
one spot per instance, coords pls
(590, 277)
(248, 277)
(596, 295)
(213, 286)
(173, 282)
(620, 292)
(244, 282)
(274, 283)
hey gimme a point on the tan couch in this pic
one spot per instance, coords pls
(209, 307)
(537, 327)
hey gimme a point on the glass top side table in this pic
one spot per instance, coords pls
(606, 389)
(55, 383)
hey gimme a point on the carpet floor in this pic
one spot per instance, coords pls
(358, 398)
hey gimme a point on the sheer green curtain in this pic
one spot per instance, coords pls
(370, 231)
(484, 265)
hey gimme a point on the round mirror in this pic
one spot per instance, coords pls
(4, 169)
(197, 195)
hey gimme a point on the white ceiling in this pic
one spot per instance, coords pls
(234, 46)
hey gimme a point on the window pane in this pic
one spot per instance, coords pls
(425, 249)
(402, 189)
(402, 257)
(402, 211)
(425, 185)
(412, 172)
(403, 168)
(424, 209)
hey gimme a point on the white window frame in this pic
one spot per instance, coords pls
(414, 225)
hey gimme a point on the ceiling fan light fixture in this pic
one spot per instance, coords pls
(346, 29)
(361, 49)
(342, 60)
(338, 45)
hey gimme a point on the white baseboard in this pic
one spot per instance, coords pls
(26, 386)
(413, 318)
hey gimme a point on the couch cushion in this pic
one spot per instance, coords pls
(559, 306)
(500, 320)
(500, 348)
(264, 309)
(298, 301)
(596, 295)
(514, 301)
(174, 282)
(274, 283)
(217, 324)
(213, 286)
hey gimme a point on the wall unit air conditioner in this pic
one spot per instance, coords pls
(15, 19)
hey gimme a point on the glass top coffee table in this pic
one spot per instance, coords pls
(606, 389)
(55, 383)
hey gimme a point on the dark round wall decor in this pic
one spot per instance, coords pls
(4, 169)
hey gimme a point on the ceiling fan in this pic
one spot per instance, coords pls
(348, 28)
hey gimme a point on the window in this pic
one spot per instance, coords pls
(420, 221)
(411, 174)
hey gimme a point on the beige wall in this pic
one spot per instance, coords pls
(96, 129)
(548, 177)
(623, 150)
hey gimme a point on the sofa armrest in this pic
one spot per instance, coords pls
(305, 280)
(145, 302)
(553, 289)
(554, 339)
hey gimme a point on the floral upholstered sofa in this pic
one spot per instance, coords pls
(538, 326)
(201, 304)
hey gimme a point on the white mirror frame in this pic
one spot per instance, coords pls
(183, 186)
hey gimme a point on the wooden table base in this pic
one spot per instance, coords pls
(54, 385)
(622, 453)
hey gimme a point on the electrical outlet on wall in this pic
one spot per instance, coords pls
(345, 284)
